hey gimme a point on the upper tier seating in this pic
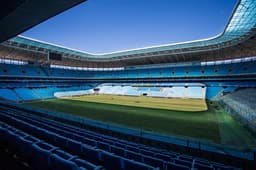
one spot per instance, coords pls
(241, 68)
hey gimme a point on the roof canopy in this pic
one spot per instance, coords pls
(240, 28)
(17, 16)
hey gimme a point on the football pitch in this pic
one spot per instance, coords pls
(192, 118)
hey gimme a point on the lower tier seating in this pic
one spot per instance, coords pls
(50, 144)
(36, 93)
(242, 103)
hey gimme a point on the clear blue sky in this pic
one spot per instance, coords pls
(100, 26)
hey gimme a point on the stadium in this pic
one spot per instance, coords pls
(188, 105)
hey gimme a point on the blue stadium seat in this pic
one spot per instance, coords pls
(111, 161)
(90, 154)
(60, 141)
(130, 164)
(41, 152)
(25, 146)
(57, 162)
(203, 166)
(132, 148)
(166, 158)
(103, 146)
(186, 158)
(183, 162)
(90, 142)
(86, 164)
(117, 150)
(147, 152)
(174, 166)
(154, 162)
(74, 146)
(133, 155)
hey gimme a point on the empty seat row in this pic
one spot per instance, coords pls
(39, 154)
(149, 72)
(86, 152)
(119, 147)
(67, 136)
(127, 150)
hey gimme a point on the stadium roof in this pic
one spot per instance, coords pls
(17, 16)
(239, 34)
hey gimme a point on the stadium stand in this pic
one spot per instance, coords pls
(70, 147)
(36, 92)
(176, 91)
(12, 71)
(26, 94)
(240, 68)
(8, 94)
(242, 104)
(221, 68)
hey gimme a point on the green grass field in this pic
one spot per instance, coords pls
(146, 102)
(179, 117)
